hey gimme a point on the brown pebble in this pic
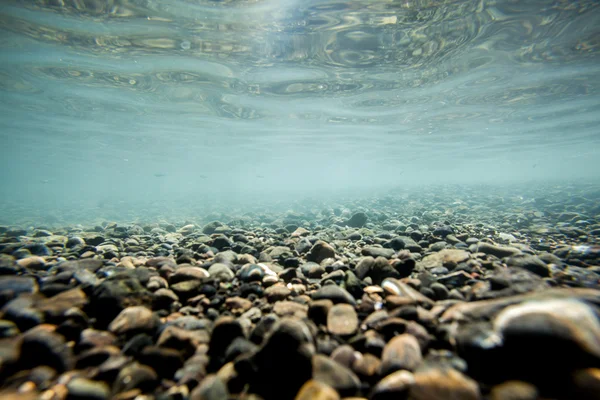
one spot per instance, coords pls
(395, 385)
(443, 384)
(238, 305)
(342, 320)
(315, 390)
(277, 293)
(133, 319)
(402, 352)
(514, 390)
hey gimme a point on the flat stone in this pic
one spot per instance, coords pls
(82, 388)
(373, 251)
(498, 251)
(36, 263)
(334, 293)
(290, 309)
(530, 263)
(449, 258)
(342, 320)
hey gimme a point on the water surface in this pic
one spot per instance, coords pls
(143, 101)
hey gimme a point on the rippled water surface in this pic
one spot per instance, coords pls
(142, 99)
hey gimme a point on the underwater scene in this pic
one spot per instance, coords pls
(300, 199)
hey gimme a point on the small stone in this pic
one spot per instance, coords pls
(188, 273)
(335, 294)
(290, 309)
(225, 331)
(315, 390)
(402, 352)
(373, 251)
(285, 358)
(42, 346)
(443, 384)
(448, 258)
(221, 272)
(8, 329)
(210, 388)
(357, 220)
(530, 263)
(134, 319)
(336, 375)
(277, 293)
(164, 361)
(82, 388)
(14, 285)
(498, 251)
(394, 386)
(342, 320)
(163, 299)
(135, 376)
(320, 251)
(185, 341)
(367, 366)
(514, 390)
(318, 311)
(35, 263)
(238, 305)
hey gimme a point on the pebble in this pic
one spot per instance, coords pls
(342, 320)
(498, 251)
(402, 352)
(357, 220)
(82, 388)
(334, 293)
(221, 272)
(320, 251)
(334, 374)
(315, 390)
(134, 319)
(443, 384)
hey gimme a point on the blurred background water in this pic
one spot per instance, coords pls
(129, 103)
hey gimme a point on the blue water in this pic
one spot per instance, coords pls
(127, 102)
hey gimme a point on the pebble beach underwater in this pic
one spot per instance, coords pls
(299, 200)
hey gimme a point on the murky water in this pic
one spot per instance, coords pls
(112, 102)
